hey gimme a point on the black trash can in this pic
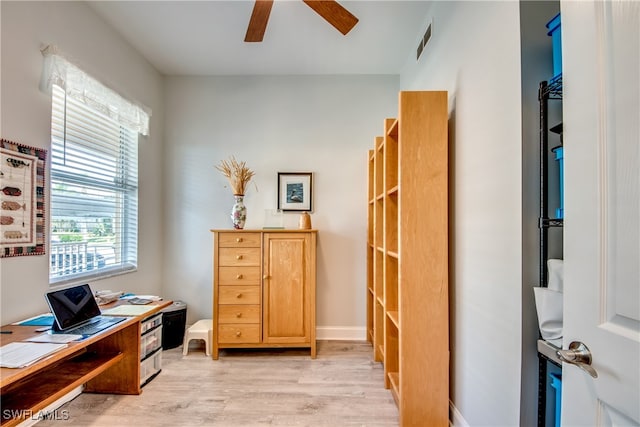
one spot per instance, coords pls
(174, 319)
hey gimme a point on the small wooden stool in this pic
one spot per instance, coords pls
(201, 330)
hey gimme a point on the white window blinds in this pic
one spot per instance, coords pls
(94, 192)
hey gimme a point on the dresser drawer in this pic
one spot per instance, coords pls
(239, 333)
(237, 257)
(238, 314)
(236, 240)
(239, 295)
(239, 276)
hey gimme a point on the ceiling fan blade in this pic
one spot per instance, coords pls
(258, 23)
(334, 14)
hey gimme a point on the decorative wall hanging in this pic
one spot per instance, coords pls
(22, 210)
(294, 191)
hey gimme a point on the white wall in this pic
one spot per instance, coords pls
(319, 124)
(474, 53)
(26, 118)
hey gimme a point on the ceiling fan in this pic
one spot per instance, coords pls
(330, 10)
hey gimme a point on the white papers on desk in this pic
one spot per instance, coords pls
(21, 354)
(128, 310)
(55, 338)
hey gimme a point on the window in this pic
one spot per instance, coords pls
(94, 192)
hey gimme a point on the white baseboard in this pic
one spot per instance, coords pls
(455, 417)
(341, 333)
(52, 412)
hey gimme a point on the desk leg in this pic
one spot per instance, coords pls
(124, 377)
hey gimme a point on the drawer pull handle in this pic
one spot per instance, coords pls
(239, 295)
(239, 239)
(265, 277)
(238, 315)
(238, 333)
(239, 257)
(239, 276)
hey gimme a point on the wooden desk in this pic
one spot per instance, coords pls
(108, 362)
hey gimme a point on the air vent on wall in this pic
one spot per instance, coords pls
(423, 41)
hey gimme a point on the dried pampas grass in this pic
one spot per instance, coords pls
(237, 173)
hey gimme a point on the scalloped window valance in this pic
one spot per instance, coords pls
(86, 89)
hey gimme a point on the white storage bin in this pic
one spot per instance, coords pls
(150, 367)
(150, 323)
(150, 342)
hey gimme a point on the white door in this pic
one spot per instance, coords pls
(601, 115)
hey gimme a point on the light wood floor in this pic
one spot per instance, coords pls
(342, 387)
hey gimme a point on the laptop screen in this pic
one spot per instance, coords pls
(72, 306)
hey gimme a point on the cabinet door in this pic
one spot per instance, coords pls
(287, 288)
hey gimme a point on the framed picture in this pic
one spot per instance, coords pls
(22, 187)
(294, 191)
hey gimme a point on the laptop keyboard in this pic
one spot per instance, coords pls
(94, 328)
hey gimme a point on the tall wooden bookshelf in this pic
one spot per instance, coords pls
(407, 257)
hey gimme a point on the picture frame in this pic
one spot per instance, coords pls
(22, 190)
(295, 191)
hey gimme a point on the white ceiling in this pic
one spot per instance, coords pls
(207, 37)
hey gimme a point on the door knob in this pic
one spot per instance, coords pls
(578, 354)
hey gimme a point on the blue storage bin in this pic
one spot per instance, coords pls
(559, 152)
(556, 383)
(556, 40)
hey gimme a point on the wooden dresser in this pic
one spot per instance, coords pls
(264, 289)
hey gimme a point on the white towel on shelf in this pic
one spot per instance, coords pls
(556, 274)
(549, 308)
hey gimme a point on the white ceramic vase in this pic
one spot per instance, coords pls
(239, 212)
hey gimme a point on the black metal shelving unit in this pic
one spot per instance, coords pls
(548, 91)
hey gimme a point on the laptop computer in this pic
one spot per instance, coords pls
(75, 311)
